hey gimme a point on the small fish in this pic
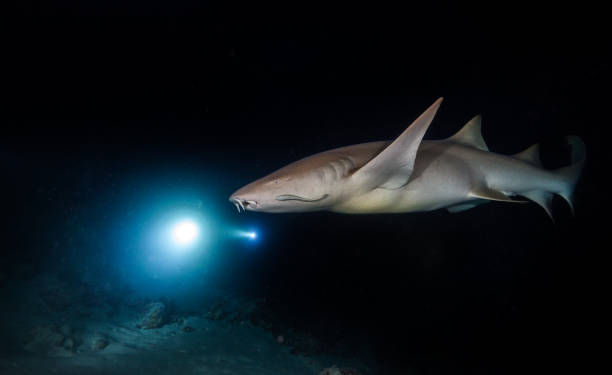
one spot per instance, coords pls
(410, 174)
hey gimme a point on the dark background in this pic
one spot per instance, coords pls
(223, 94)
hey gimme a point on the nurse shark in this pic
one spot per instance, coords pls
(410, 174)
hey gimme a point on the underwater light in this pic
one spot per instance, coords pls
(252, 235)
(185, 232)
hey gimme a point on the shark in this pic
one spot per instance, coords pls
(409, 174)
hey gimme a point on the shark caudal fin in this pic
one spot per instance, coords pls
(570, 174)
(566, 177)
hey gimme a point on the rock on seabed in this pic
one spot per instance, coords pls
(153, 317)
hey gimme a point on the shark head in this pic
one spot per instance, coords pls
(310, 184)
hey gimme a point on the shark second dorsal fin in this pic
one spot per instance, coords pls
(471, 135)
(530, 155)
(392, 167)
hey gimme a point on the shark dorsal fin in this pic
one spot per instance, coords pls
(530, 155)
(471, 135)
(392, 167)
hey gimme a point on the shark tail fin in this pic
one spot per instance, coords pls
(570, 174)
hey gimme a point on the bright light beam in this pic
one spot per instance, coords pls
(251, 235)
(185, 232)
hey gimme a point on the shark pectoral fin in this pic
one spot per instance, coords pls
(543, 198)
(487, 193)
(392, 167)
(471, 135)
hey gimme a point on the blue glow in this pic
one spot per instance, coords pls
(172, 240)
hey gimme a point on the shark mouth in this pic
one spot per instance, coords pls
(243, 204)
(289, 197)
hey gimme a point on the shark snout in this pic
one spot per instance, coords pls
(242, 203)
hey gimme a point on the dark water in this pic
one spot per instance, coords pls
(113, 125)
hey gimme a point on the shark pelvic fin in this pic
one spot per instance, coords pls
(471, 135)
(530, 155)
(464, 206)
(487, 193)
(392, 167)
